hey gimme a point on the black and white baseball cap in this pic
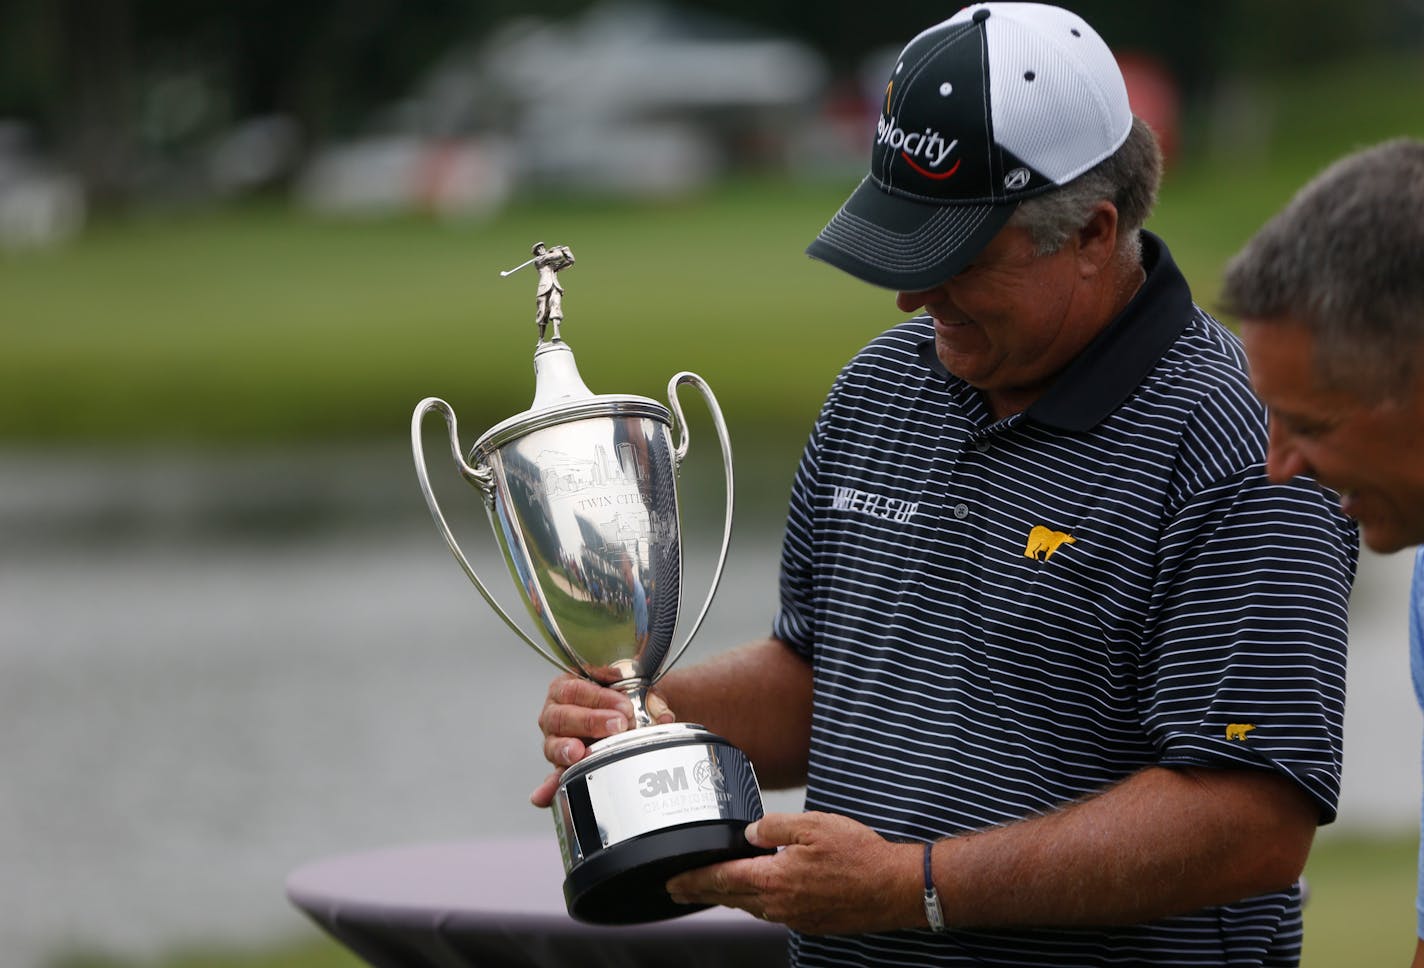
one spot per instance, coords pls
(998, 103)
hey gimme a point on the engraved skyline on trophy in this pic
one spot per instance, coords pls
(581, 492)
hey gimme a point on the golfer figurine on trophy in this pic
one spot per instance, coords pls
(581, 491)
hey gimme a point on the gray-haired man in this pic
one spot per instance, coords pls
(1331, 299)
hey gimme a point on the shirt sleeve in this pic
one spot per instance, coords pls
(1244, 661)
(794, 622)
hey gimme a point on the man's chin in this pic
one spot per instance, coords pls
(1385, 540)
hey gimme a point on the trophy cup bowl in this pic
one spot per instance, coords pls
(581, 492)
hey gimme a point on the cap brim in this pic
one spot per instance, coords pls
(905, 245)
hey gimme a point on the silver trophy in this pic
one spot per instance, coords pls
(581, 490)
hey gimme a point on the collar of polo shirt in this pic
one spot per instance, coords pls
(1120, 357)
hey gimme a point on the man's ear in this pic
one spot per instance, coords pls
(1097, 239)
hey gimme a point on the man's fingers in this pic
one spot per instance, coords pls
(573, 690)
(562, 751)
(565, 721)
(579, 708)
(730, 882)
(779, 829)
(543, 794)
(658, 709)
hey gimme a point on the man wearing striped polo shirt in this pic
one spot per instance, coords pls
(1062, 672)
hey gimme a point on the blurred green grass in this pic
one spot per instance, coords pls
(264, 325)
(1360, 912)
(1361, 905)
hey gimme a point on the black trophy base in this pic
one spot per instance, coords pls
(625, 884)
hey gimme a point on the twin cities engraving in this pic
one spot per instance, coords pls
(608, 491)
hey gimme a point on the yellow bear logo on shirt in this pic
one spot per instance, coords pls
(1043, 542)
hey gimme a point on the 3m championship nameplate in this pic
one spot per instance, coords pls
(581, 491)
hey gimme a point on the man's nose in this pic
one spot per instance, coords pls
(908, 302)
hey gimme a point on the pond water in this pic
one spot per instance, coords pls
(215, 670)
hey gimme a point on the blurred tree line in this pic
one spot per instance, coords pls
(85, 74)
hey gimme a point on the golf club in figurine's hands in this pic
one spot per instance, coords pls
(581, 491)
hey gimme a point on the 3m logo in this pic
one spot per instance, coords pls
(659, 782)
(1238, 730)
(1043, 542)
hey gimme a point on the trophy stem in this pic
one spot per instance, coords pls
(637, 692)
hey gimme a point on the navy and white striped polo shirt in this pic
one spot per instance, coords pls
(1004, 616)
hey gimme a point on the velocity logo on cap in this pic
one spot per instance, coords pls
(929, 146)
(933, 139)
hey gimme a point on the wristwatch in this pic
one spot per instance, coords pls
(934, 913)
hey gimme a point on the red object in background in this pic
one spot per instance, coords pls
(1153, 94)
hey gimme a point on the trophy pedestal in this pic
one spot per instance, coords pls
(624, 884)
(646, 805)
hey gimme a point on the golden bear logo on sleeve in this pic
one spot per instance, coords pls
(1238, 730)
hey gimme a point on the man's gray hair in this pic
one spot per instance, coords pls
(1346, 259)
(1128, 178)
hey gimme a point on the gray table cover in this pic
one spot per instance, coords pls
(498, 903)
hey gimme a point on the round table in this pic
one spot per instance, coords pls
(496, 903)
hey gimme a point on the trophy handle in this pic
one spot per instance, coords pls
(481, 479)
(681, 452)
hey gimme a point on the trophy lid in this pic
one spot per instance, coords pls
(561, 396)
(556, 376)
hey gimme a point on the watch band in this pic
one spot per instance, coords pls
(934, 913)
